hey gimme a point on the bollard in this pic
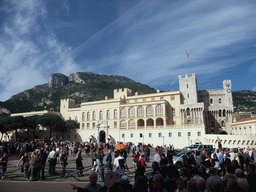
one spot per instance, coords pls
(101, 173)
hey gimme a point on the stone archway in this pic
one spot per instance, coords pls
(102, 137)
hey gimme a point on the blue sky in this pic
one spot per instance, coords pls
(142, 40)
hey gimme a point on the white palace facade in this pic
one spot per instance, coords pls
(180, 117)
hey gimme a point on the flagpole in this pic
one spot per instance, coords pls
(187, 55)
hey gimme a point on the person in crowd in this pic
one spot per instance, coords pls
(141, 181)
(124, 185)
(147, 154)
(34, 164)
(109, 161)
(3, 165)
(119, 170)
(195, 174)
(158, 183)
(42, 156)
(64, 162)
(141, 161)
(201, 186)
(251, 177)
(93, 186)
(242, 181)
(135, 160)
(25, 165)
(157, 157)
(156, 170)
(212, 178)
(192, 186)
(52, 158)
(180, 185)
(232, 186)
(79, 163)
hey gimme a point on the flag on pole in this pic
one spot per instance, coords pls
(188, 55)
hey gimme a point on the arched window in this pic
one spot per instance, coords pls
(140, 111)
(88, 116)
(220, 113)
(131, 123)
(224, 113)
(93, 115)
(123, 124)
(140, 122)
(222, 123)
(220, 100)
(131, 111)
(115, 114)
(76, 118)
(82, 125)
(123, 112)
(93, 125)
(159, 109)
(83, 114)
(189, 122)
(101, 115)
(188, 111)
(211, 101)
(108, 114)
(211, 124)
(150, 110)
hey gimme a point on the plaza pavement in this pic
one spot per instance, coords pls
(15, 180)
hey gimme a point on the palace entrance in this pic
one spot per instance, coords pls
(102, 137)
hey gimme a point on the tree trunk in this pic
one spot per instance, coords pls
(16, 133)
(2, 136)
(28, 134)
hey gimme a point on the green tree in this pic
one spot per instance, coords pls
(31, 124)
(52, 123)
(4, 126)
(71, 124)
(17, 122)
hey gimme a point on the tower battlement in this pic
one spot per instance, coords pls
(123, 92)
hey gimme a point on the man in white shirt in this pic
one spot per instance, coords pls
(52, 158)
(157, 157)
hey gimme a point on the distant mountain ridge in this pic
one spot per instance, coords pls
(81, 86)
(87, 86)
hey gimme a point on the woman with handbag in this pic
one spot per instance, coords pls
(25, 165)
(63, 160)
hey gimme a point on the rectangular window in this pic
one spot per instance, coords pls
(122, 135)
(189, 134)
(188, 95)
(172, 97)
(115, 124)
(141, 135)
(159, 134)
(131, 135)
(88, 125)
(150, 135)
(187, 85)
(170, 134)
(179, 134)
(173, 111)
(199, 134)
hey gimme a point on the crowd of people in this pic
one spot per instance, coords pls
(219, 170)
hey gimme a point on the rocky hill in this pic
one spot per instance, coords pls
(84, 86)
(81, 86)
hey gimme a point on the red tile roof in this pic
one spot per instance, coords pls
(247, 119)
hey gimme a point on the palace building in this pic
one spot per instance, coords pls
(177, 117)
